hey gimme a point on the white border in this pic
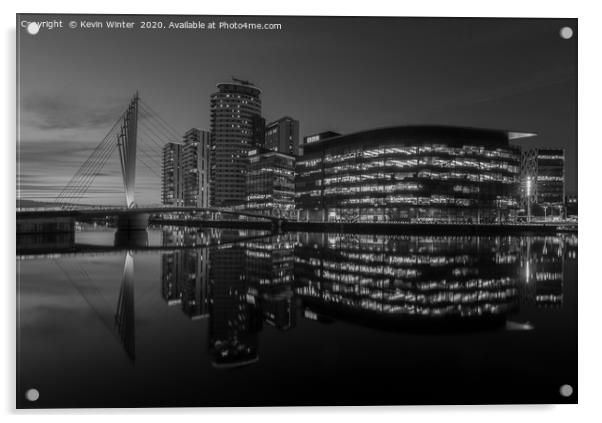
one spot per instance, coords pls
(590, 155)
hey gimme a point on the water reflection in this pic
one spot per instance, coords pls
(406, 283)
(398, 283)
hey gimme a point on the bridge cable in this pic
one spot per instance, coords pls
(166, 124)
(91, 172)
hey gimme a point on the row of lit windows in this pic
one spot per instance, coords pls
(412, 163)
(434, 200)
(424, 150)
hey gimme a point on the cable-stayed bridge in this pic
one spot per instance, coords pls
(138, 135)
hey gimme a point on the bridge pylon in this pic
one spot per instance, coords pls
(126, 142)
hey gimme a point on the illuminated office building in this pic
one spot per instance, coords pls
(410, 174)
(542, 176)
(234, 109)
(283, 135)
(172, 176)
(270, 183)
(195, 167)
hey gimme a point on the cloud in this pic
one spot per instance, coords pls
(56, 112)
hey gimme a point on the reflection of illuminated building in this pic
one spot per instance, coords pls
(410, 173)
(234, 322)
(414, 283)
(542, 269)
(184, 280)
(419, 279)
(269, 271)
(185, 273)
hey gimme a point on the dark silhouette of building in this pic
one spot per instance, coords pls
(572, 205)
(258, 131)
(283, 135)
(233, 110)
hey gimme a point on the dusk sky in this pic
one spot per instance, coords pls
(340, 74)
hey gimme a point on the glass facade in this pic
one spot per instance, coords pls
(271, 183)
(410, 174)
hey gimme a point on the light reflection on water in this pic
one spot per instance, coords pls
(298, 319)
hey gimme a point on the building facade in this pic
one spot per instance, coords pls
(270, 183)
(195, 165)
(172, 176)
(283, 135)
(410, 174)
(258, 132)
(234, 107)
(572, 205)
(542, 177)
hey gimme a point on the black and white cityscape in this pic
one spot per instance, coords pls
(261, 211)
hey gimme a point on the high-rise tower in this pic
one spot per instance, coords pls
(234, 107)
(195, 165)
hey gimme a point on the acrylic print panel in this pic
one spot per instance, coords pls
(279, 210)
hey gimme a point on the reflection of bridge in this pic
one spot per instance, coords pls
(123, 137)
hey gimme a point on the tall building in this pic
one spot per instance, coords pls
(410, 174)
(542, 180)
(195, 165)
(172, 177)
(271, 183)
(283, 135)
(234, 107)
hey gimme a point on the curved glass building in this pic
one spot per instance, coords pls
(234, 110)
(410, 174)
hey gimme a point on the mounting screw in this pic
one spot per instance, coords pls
(32, 394)
(566, 390)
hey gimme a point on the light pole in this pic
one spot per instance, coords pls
(529, 186)
(545, 212)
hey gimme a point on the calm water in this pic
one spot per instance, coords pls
(298, 319)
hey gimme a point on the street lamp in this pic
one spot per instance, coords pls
(529, 199)
(545, 212)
